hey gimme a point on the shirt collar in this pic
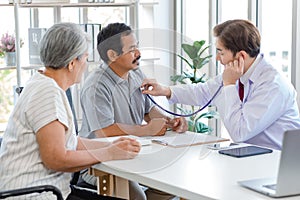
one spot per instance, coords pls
(112, 74)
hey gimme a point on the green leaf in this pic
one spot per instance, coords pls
(191, 51)
(179, 78)
(204, 60)
(187, 74)
(198, 44)
(203, 50)
(191, 126)
(201, 79)
(208, 115)
(186, 61)
(202, 128)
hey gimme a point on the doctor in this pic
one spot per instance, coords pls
(255, 103)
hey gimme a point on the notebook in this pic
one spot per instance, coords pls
(287, 182)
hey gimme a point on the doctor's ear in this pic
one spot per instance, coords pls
(242, 54)
(112, 55)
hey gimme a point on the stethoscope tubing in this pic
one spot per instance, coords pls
(186, 115)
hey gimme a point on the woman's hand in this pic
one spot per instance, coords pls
(124, 148)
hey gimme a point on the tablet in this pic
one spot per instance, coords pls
(245, 151)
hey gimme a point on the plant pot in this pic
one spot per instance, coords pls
(10, 58)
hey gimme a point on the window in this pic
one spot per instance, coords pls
(196, 20)
(276, 33)
(8, 78)
(233, 9)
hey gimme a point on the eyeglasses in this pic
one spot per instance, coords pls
(132, 50)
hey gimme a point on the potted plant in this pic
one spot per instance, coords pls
(1, 54)
(8, 48)
(197, 59)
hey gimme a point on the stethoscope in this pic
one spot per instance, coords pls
(187, 115)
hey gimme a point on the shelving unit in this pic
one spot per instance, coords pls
(82, 5)
(5, 4)
(35, 20)
(85, 14)
(57, 7)
(31, 67)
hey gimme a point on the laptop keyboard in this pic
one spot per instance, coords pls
(272, 186)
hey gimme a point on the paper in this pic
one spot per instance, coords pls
(186, 139)
(142, 141)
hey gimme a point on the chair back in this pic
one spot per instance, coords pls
(69, 95)
(75, 175)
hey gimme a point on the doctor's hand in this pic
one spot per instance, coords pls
(150, 86)
(178, 125)
(233, 71)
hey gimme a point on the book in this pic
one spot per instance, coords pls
(188, 138)
(51, 1)
(34, 37)
(96, 30)
(92, 30)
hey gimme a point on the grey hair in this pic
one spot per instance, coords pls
(62, 43)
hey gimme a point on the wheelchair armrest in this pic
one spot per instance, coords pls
(29, 190)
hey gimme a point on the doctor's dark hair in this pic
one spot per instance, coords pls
(237, 35)
(110, 38)
(62, 43)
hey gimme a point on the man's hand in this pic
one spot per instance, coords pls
(156, 127)
(178, 124)
(233, 71)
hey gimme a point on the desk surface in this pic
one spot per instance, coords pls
(195, 172)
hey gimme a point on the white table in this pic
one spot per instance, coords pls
(194, 172)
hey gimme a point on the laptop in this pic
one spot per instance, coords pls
(287, 182)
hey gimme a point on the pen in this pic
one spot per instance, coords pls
(160, 142)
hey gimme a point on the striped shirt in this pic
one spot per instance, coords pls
(41, 102)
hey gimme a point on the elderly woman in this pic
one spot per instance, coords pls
(40, 145)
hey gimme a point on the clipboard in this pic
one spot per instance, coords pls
(188, 138)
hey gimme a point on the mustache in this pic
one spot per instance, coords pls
(135, 60)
